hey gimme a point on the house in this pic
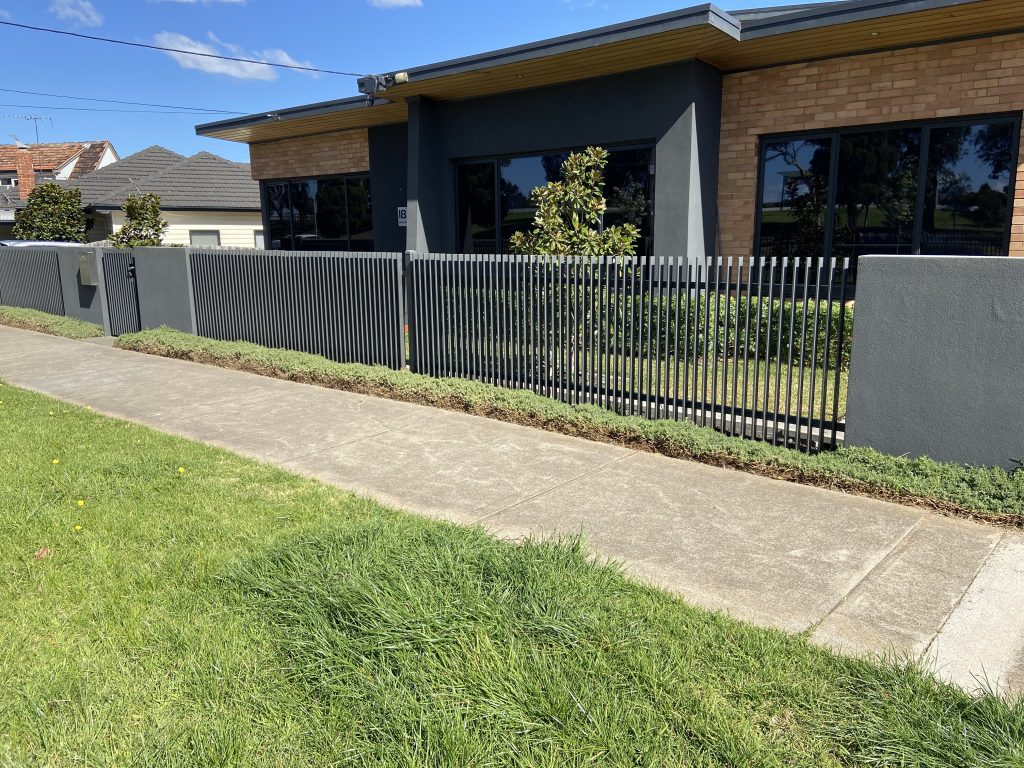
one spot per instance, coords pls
(206, 200)
(23, 166)
(868, 126)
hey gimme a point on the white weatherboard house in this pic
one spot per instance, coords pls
(206, 200)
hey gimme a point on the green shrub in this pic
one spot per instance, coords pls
(55, 325)
(52, 213)
(143, 224)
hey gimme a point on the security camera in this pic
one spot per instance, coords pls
(372, 86)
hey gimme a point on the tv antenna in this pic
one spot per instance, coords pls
(34, 118)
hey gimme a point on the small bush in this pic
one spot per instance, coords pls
(143, 224)
(990, 494)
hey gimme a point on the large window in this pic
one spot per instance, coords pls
(330, 214)
(932, 188)
(494, 196)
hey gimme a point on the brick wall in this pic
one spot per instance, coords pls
(322, 155)
(947, 80)
(26, 173)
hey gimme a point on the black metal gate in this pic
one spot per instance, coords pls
(122, 294)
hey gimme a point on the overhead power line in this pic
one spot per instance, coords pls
(116, 101)
(108, 109)
(81, 36)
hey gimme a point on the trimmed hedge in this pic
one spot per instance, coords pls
(55, 325)
(703, 322)
(990, 494)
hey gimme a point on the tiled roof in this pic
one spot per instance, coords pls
(90, 159)
(49, 157)
(203, 181)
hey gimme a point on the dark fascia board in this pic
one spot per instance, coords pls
(839, 13)
(651, 25)
(307, 110)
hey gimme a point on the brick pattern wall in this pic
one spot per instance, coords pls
(947, 80)
(322, 155)
(26, 173)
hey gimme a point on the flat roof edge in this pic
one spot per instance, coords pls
(840, 13)
(347, 104)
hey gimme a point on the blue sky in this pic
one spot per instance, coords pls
(350, 35)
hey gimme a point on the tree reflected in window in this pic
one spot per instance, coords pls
(794, 199)
(851, 193)
(329, 214)
(968, 190)
(876, 194)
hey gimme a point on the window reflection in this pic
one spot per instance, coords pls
(275, 196)
(360, 220)
(858, 192)
(876, 193)
(478, 217)
(487, 228)
(795, 197)
(331, 214)
(967, 193)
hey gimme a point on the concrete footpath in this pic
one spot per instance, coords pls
(859, 575)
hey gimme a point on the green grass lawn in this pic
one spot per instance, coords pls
(167, 603)
(725, 388)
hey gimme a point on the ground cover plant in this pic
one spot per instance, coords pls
(168, 603)
(994, 495)
(55, 325)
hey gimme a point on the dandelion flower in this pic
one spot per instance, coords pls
(56, 461)
(51, 413)
(181, 470)
(81, 502)
(78, 527)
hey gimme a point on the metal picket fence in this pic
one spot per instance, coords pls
(757, 348)
(30, 278)
(344, 306)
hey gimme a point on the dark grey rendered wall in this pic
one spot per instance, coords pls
(85, 302)
(677, 107)
(165, 288)
(388, 173)
(938, 358)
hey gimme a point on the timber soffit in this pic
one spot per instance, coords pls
(755, 39)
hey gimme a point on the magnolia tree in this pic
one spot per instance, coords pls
(570, 214)
(569, 223)
(143, 224)
(52, 213)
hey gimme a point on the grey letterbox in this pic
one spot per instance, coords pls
(87, 268)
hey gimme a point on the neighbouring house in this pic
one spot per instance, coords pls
(23, 166)
(206, 200)
(869, 126)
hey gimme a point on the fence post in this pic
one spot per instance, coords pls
(101, 290)
(191, 292)
(407, 295)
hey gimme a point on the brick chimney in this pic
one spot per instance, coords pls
(26, 172)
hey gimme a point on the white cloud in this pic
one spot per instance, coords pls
(396, 3)
(78, 11)
(240, 70)
(4, 14)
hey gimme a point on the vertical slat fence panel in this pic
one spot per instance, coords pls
(30, 278)
(751, 347)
